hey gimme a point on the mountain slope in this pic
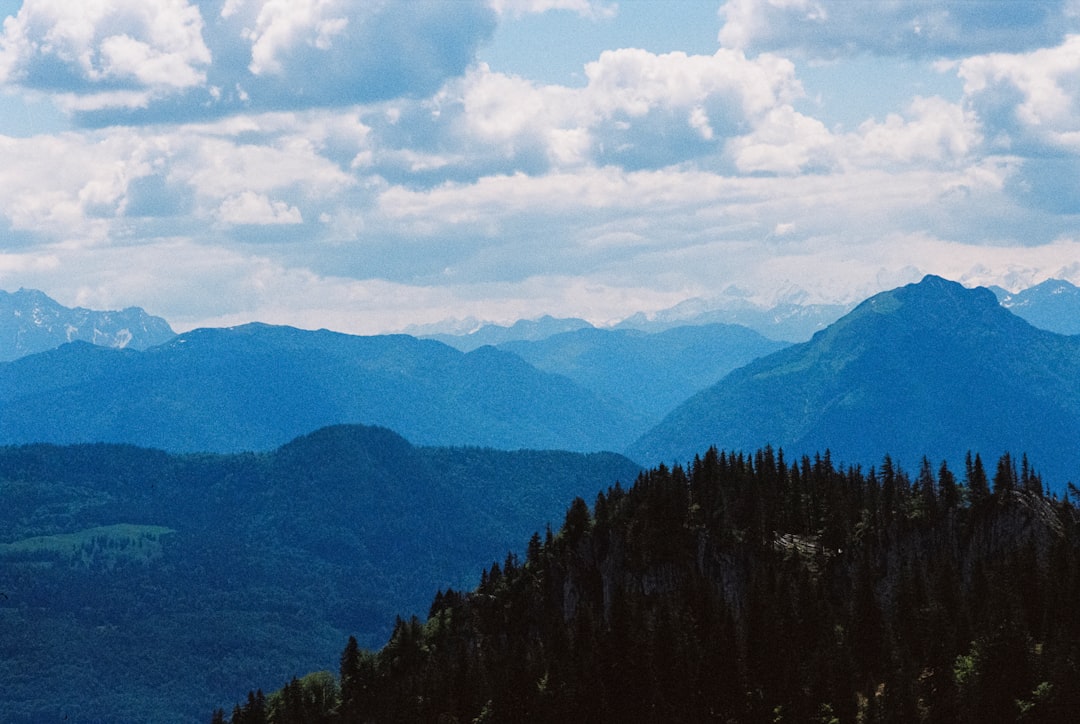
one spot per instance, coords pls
(139, 586)
(929, 368)
(652, 373)
(31, 322)
(255, 387)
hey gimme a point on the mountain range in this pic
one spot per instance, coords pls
(523, 330)
(32, 322)
(1053, 305)
(787, 322)
(256, 387)
(930, 369)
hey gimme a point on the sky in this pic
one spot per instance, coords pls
(368, 166)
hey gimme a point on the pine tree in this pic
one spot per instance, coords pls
(978, 485)
(948, 491)
(1029, 479)
(1005, 479)
(925, 498)
(352, 692)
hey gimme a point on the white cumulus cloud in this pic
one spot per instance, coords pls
(1029, 96)
(151, 45)
(281, 25)
(629, 109)
(249, 207)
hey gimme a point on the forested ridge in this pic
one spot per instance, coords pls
(138, 586)
(747, 588)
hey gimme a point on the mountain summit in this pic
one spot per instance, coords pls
(930, 368)
(31, 322)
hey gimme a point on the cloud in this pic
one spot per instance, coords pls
(338, 52)
(914, 28)
(281, 26)
(218, 167)
(146, 50)
(641, 110)
(592, 9)
(934, 132)
(691, 226)
(1028, 98)
(638, 109)
(1029, 106)
(785, 142)
(249, 207)
(346, 164)
(148, 61)
(600, 241)
(66, 187)
(95, 187)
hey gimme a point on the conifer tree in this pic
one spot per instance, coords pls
(978, 485)
(925, 497)
(948, 490)
(352, 683)
(1005, 479)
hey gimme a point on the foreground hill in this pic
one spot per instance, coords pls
(929, 368)
(255, 387)
(651, 373)
(139, 586)
(746, 589)
(31, 322)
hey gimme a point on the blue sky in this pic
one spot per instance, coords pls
(370, 166)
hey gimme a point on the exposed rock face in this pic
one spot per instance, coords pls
(31, 322)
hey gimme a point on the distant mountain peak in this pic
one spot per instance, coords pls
(31, 322)
(933, 288)
(1053, 304)
(934, 302)
(523, 329)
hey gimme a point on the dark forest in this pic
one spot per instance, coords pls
(746, 588)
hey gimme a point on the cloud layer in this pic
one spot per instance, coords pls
(354, 165)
